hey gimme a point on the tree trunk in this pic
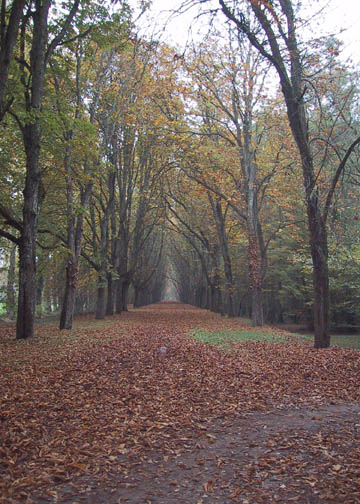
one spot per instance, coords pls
(229, 303)
(317, 232)
(74, 240)
(9, 33)
(39, 295)
(125, 291)
(219, 302)
(27, 244)
(221, 231)
(10, 290)
(26, 297)
(67, 311)
(119, 299)
(48, 296)
(255, 280)
(68, 306)
(257, 315)
(319, 254)
(212, 299)
(254, 251)
(136, 297)
(100, 303)
(31, 132)
(110, 295)
(79, 304)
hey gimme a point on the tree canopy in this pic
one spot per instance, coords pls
(226, 176)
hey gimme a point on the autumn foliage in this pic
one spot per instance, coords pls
(76, 409)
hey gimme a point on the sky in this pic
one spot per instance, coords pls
(345, 15)
(341, 17)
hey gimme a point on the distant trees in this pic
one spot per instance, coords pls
(127, 208)
(242, 146)
(276, 37)
(126, 168)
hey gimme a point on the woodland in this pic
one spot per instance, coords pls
(165, 214)
(227, 174)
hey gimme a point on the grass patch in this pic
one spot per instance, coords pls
(343, 340)
(226, 338)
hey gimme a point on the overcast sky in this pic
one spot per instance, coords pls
(341, 17)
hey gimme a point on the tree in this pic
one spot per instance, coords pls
(232, 117)
(190, 216)
(148, 262)
(277, 39)
(126, 202)
(10, 17)
(77, 104)
(35, 51)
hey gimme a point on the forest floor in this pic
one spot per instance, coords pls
(133, 409)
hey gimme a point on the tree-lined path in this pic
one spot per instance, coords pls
(226, 172)
(225, 175)
(136, 409)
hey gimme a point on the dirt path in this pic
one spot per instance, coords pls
(303, 455)
(135, 411)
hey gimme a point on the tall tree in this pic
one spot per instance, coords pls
(92, 60)
(276, 37)
(35, 50)
(10, 16)
(228, 85)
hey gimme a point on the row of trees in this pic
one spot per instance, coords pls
(98, 159)
(251, 156)
(144, 168)
(278, 42)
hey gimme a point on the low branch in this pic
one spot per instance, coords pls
(90, 261)
(59, 37)
(9, 218)
(9, 236)
(335, 180)
(215, 191)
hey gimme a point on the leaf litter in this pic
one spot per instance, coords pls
(119, 397)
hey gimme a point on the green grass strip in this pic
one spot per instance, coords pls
(343, 340)
(225, 338)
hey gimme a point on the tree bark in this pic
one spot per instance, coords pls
(8, 38)
(119, 294)
(125, 291)
(100, 303)
(26, 297)
(255, 280)
(102, 280)
(39, 53)
(74, 243)
(31, 132)
(10, 289)
(48, 299)
(68, 306)
(255, 261)
(136, 297)
(319, 254)
(39, 295)
(27, 243)
(67, 311)
(221, 230)
(110, 295)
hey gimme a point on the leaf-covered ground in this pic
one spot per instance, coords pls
(88, 416)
